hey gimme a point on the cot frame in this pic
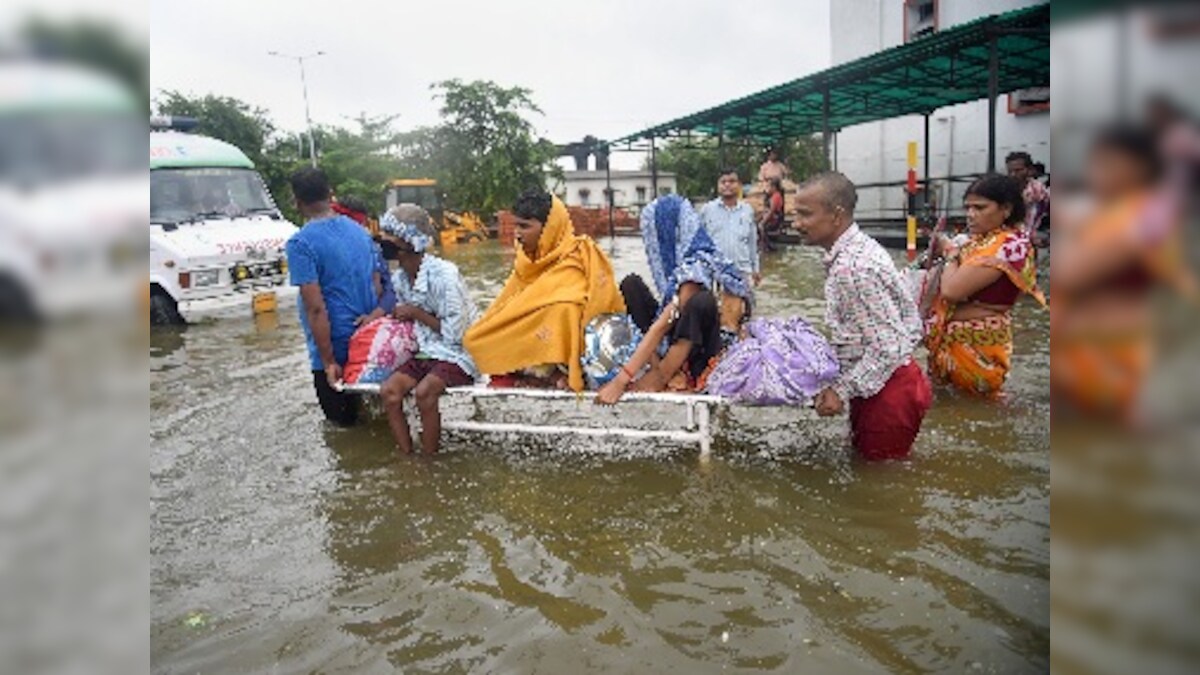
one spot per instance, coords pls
(696, 427)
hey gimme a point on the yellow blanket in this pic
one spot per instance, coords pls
(540, 315)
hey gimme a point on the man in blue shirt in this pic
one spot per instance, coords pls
(730, 223)
(332, 260)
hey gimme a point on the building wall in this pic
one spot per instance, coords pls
(1086, 61)
(876, 152)
(624, 184)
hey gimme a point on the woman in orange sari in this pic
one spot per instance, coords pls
(532, 335)
(969, 331)
(1106, 268)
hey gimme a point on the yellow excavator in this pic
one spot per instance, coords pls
(455, 227)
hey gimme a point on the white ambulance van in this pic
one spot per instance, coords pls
(72, 193)
(216, 236)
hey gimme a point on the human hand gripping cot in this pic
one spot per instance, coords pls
(645, 353)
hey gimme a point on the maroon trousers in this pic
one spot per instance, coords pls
(885, 425)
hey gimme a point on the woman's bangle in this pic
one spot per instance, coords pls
(628, 374)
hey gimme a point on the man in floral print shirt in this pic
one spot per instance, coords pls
(872, 321)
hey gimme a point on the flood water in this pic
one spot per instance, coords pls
(282, 545)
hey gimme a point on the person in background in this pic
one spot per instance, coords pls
(1040, 175)
(433, 295)
(773, 215)
(532, 334)
(970, 329)
(872, 321)
(355, 209)
(772, 169)
(1035, 195)
(1178, 143)
(332, 259)
(730, 222)
(695, 281)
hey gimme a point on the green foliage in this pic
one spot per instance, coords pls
(359, 162)
(697, 162)
(482, 154)
(94, 44)
(485, 152)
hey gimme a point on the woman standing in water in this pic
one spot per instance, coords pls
(970, 328)
(1106, 268)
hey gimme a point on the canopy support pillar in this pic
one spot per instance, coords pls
(608, 192)
(653, 170)
(927, 153)
(993, 94)
(825, 135)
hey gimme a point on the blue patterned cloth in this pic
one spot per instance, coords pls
(680, 250)
(441, 291)
(609, 341)
(406, 231)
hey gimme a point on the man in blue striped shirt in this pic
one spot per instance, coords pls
(432, 294)
(730, 223)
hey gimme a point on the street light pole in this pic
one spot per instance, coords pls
(312, 144)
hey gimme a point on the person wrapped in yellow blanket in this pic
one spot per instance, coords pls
(532, 334)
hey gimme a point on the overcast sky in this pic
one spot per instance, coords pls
(604, 67)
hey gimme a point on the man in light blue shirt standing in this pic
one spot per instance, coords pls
(730, 223)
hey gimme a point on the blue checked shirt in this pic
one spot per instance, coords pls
(441, 291)
(734, 232)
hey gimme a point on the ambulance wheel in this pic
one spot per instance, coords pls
(15, 304)
(163, 311)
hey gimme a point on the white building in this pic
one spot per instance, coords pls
(631, 189)
(1107, 65)
(877, 152)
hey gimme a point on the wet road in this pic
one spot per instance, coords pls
(282, 545)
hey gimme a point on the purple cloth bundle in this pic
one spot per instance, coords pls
(780, 362)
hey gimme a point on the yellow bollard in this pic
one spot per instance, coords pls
(911, 243)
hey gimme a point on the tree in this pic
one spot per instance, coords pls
(697, 163)
(485, 152)
(482, 154)
(359, 162)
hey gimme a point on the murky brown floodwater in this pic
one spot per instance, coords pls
(280, 544)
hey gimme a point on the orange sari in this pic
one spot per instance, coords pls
(1101, 371)
(975, 355)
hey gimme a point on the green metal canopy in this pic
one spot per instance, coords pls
(942, 69)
